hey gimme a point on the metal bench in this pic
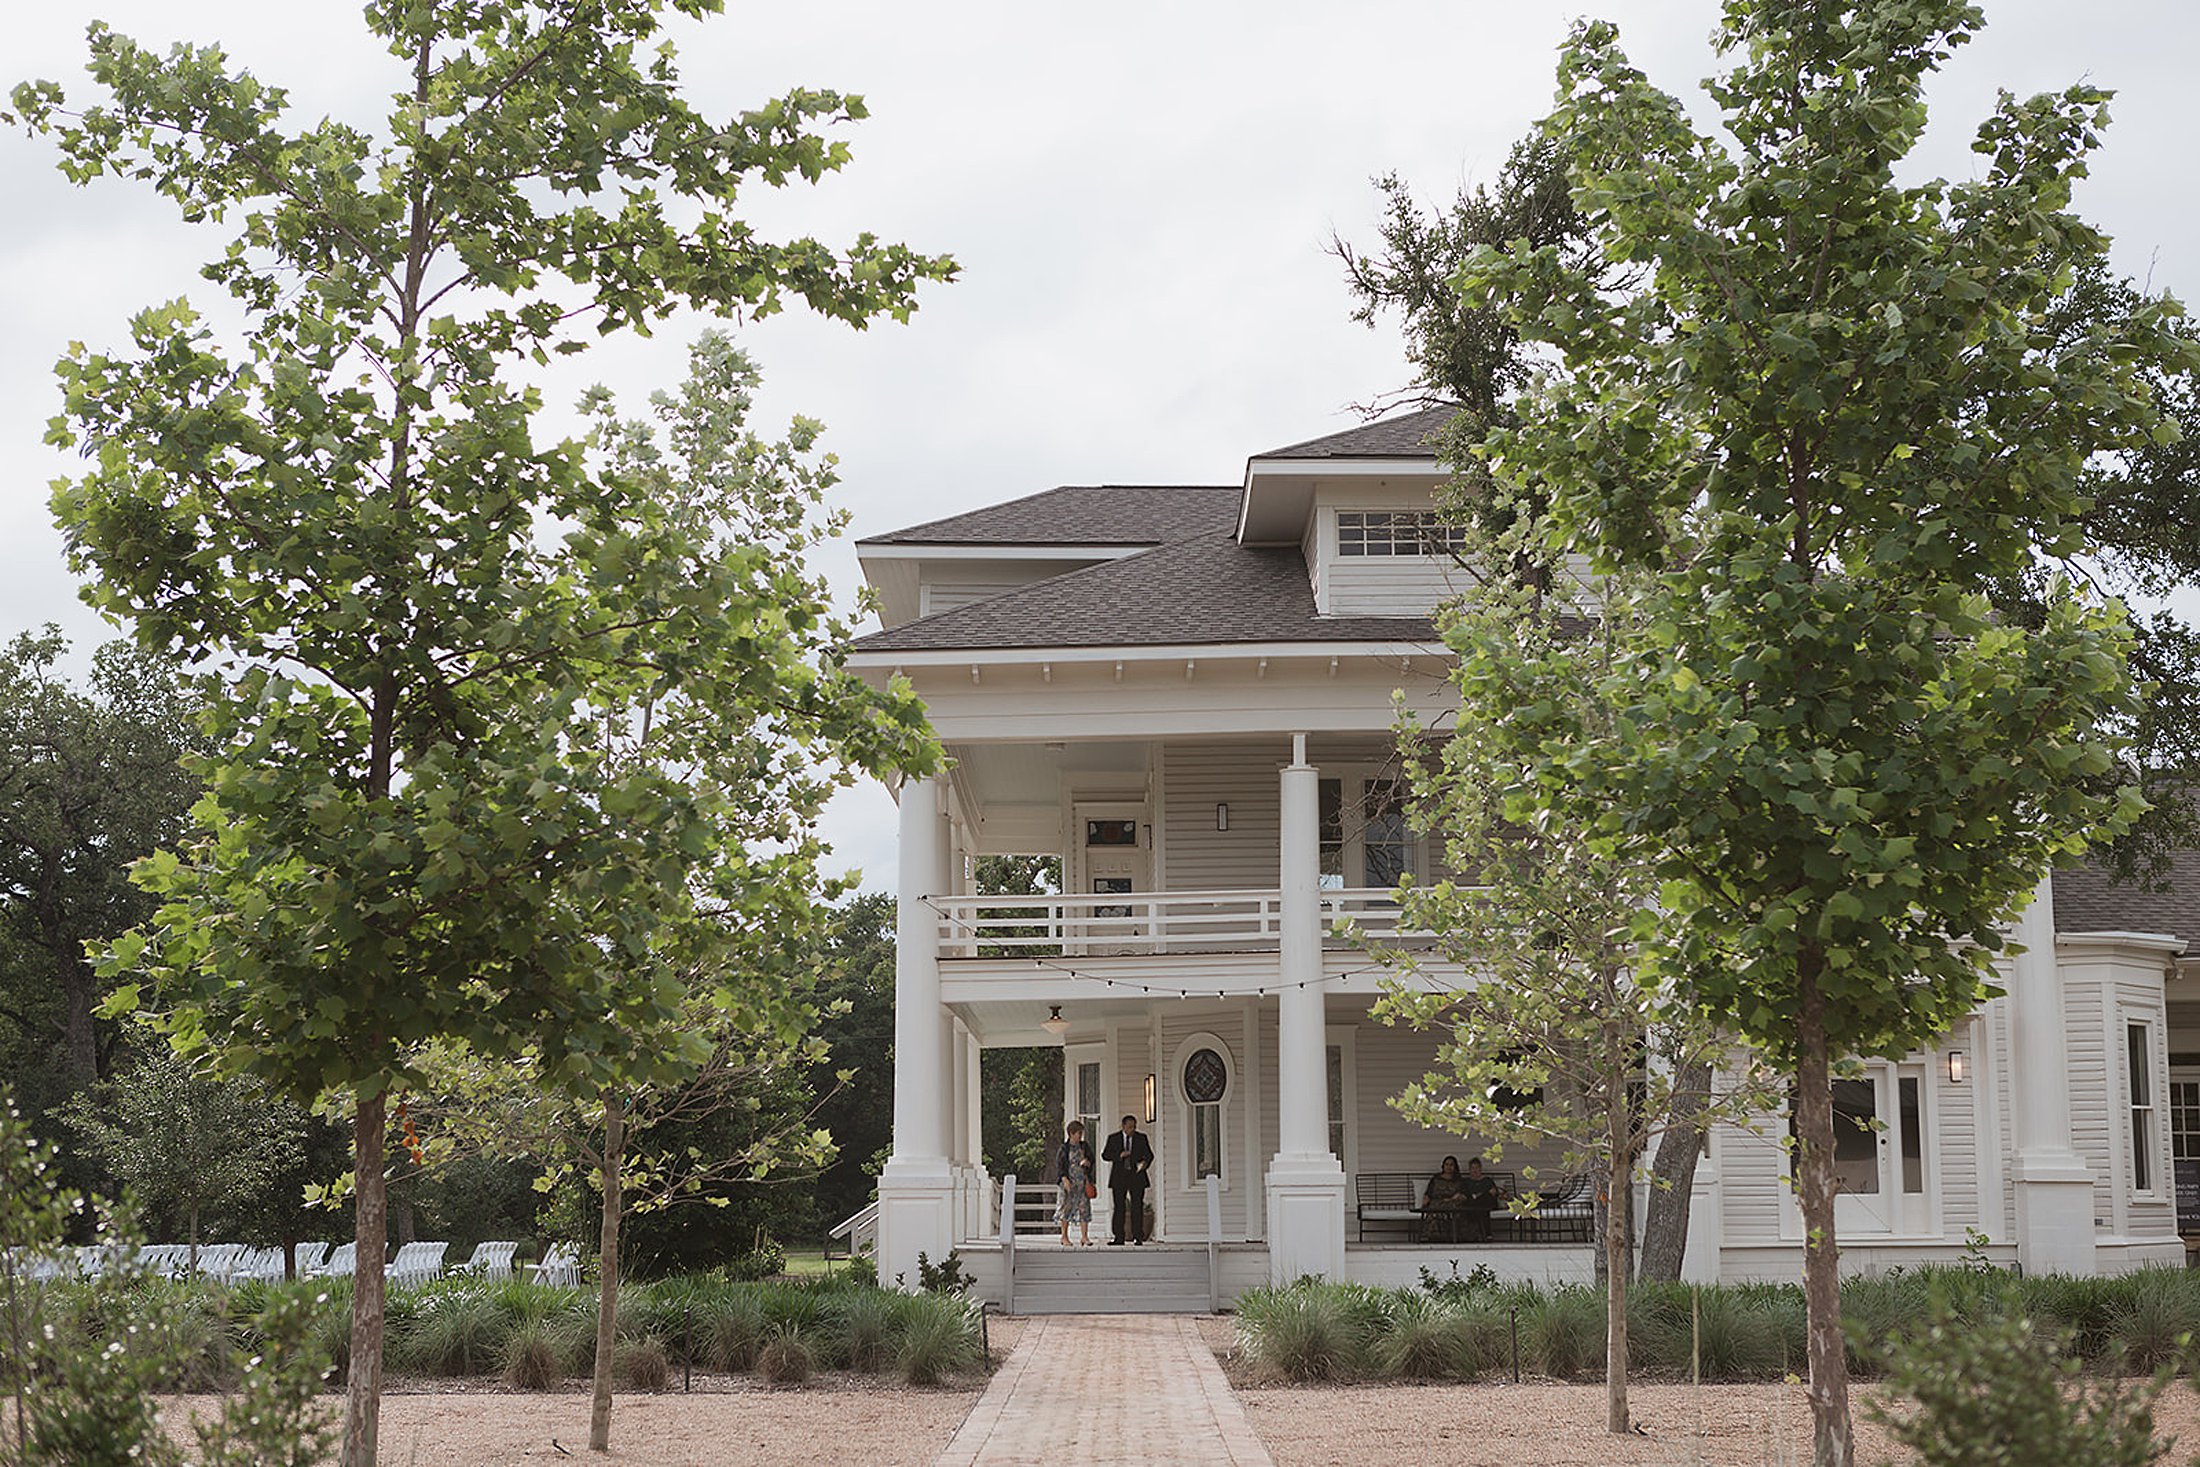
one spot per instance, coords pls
(1393, 1199)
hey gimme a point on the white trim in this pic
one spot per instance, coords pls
(1343, 467)
(1345, 1038)
(951, 550)
(2159, 1161)
(1170, 652)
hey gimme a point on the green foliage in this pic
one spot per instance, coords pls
(90, 780)
(517, 742)
(948, 1276)
(188, 1143)
(84, 1362)
(938, 1336)
(1303, 1332)
(2002, 1390)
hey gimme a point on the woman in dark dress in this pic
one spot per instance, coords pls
(1445, 1198)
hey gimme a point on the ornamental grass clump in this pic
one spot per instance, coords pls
(644, 1364)
(734, 1331)
(1306, 1331)
(1426, 1339)
(1564, 1333)
(869, 1326)
(534, 1356)
(454, 1333)
(939, 1335)
(786, 1358)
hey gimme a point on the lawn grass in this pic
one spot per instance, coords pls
(811, 1263)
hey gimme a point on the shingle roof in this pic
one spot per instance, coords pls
(1083, 514)
(1405, 436)
(1205, 590)
(2087, 899)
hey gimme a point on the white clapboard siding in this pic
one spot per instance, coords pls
(1952, 1140)
(1386, 1060)
(1195, 777)
(2091, 1134)
(1391, 585)
(1752, 1182)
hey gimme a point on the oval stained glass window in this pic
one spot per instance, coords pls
(1205, 1077)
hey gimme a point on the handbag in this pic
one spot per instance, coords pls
(1092, 1189)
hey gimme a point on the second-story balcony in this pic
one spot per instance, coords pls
(1138, 923)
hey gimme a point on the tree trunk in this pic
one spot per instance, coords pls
(1616, 1182)
(607, 1263)
(79, 1032)
(1672, 1179)
(1832, 1438)
(370, 1231)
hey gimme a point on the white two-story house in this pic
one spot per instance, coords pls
(1188, 694)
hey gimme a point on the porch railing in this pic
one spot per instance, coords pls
(1146, 921)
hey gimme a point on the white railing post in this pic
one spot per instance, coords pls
(1214, 1244)
(1008, 1244)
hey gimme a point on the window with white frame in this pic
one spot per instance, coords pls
(1371, 532)
(1364, 832)
(1205, 1080)
(2139, 1070)
(2184, 1118)
(1335, 1067)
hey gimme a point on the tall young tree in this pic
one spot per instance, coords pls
(1467, 354)
(417, 824)
(1837, 407)
(1559, 1040)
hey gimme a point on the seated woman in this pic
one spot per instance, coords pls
(1442, 1201)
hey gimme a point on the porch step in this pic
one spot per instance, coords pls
(1150, 1280)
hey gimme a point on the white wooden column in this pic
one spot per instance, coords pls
(916, 1191)
(2054, 1186)
(1305, 1183)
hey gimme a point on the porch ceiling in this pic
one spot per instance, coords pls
(1014, 1024)
(1014, 790)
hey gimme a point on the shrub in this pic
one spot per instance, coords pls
(938, 1337)
(735, 1328)
(785, 1358)
(1564, 1335)
(2002, 1391)
(456, 1332)
(767, 1259)
(643, 1365)
(1306, 1331)
(534, 1356)
(1426, 1338)
(869, 1323)
(2155, 1327)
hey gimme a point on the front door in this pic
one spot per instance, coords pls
(1113, 856)
(1879, 1152)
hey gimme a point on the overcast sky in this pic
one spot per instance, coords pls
(1140, 197)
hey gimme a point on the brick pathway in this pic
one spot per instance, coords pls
(1086, 1389)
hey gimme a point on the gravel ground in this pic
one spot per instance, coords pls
(728, 1421)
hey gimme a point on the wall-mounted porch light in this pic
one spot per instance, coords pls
(1152, 1112)
(1054, 1023)
(1222, 817)
(1957, 1069)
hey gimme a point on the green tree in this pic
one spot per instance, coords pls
(90, 780)
(1467, 354)
(185, 1143)
(1836, 408)
(856, 986)
(1557, 1041)
(417, 614)
(1020, 1090)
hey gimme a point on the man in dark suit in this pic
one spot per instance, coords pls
(1129, 1156)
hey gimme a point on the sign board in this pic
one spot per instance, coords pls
(2188, 1197)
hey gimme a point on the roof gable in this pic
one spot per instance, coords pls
(1406, 436)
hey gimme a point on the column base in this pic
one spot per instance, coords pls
(1700, 1260)
(1305, 1218)
(916, 1214)
(2055, 1231)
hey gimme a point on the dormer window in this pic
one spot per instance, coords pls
(1397, 532)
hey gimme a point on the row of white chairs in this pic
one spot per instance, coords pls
(415, 1263)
